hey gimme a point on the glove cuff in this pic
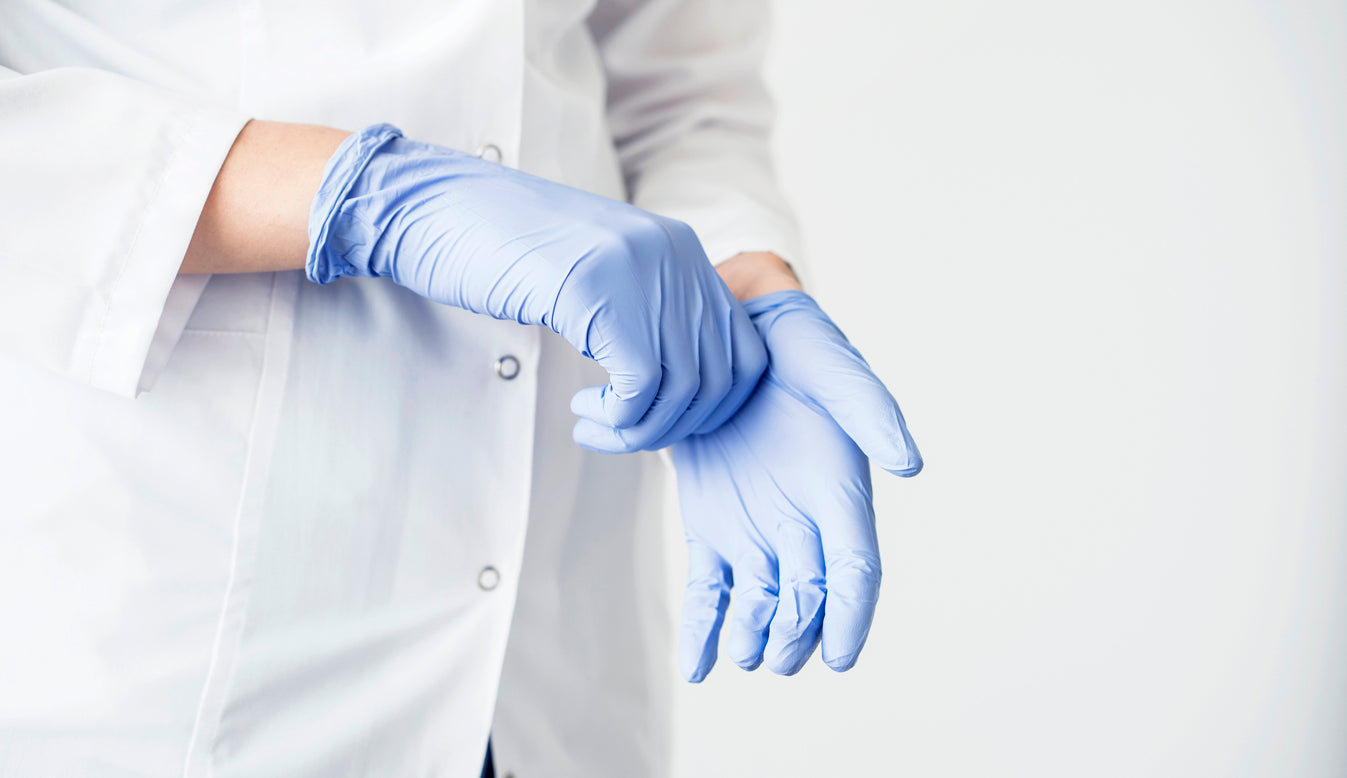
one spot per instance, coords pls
(332, 256)
(785, 299)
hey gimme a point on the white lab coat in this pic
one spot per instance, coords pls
(250, 526)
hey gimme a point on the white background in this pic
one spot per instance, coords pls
(1098, 251)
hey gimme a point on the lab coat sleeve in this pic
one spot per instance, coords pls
(102, 179)
(691, 117)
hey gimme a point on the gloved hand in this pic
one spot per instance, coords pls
(777, 504)
(630, 289)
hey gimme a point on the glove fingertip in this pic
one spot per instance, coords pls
(790, 657)
(901, 457)
(786, 664)
(623, 412)
(912, 467)
(588, 404)
(749, 663)
(842, 663)
(598, 438)
(696, 665)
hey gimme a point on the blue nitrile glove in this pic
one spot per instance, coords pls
(629, 289)
(776, 503)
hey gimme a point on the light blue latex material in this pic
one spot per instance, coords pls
(777, 503)
(629, 289)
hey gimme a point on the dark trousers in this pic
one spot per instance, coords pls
(488, 769)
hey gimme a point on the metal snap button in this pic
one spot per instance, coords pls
(507, 367)
(490, 152)
(488, 578)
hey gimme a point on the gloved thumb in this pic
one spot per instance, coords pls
(814, 360)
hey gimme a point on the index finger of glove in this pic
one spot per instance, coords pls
(851, 557)
(677, 391)
(605, 317)
(633, 384)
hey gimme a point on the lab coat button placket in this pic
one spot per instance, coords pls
(488, 578)
(507, 367)
(490, 152)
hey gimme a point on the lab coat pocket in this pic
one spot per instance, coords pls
(238, 302)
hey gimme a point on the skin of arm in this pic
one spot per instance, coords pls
(755, 273)
(256, 218)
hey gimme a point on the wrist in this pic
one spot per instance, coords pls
(755, 273)
(256, 215)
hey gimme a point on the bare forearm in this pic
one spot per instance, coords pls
(755, 273)
(256, 218)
